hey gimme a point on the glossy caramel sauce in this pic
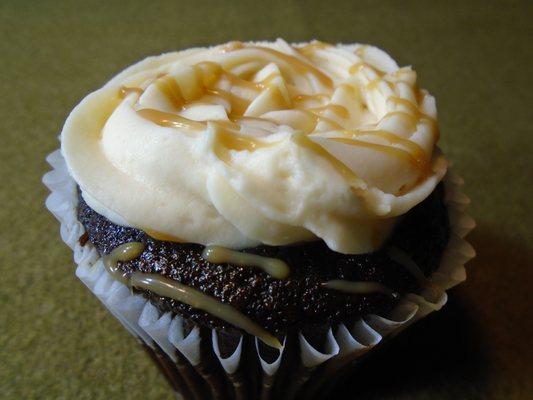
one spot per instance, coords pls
(341, 168)
(210, 80)
(125, 91)
(170, 288)
(272, 266)
(359, 287)
(405, 260)
(124, 252)
(173, 289)
(163, 236)
(171, 120)
(431, 291)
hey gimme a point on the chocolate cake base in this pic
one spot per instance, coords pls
(300, 302)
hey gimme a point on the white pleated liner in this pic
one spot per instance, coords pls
(270, 368)
(231, 363)
(144, 320)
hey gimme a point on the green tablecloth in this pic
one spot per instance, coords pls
(56, 341)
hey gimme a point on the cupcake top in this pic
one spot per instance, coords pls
(245, 144)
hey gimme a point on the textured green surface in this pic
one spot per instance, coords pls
(56, 341)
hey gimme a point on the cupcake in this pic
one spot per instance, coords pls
(261, 215)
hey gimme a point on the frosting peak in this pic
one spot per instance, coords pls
(249, 143)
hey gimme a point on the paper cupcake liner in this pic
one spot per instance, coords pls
(192, 360)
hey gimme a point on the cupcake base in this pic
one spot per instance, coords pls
(200, 364)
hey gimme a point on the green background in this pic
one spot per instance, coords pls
(57, 342)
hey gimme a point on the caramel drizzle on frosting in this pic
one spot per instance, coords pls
(392, 151)
(312, 47)
(290, 61)
(355, 287)
(276, 268)
(171, 120)
(241, 93)
(300, 66)
(170, 288)
(163, 236)
(354, 181)
(125, 91)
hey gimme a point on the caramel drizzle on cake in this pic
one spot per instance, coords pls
(359, 287)
(276, 268)
(173, 289)
(406, 261)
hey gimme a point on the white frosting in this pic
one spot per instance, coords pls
(330, 142)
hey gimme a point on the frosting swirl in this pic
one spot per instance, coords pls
(249, 143)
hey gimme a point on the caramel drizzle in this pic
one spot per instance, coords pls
(357, 67)
(219, 255)
(351, 178)
(414, 150)
(310, 48)
(355, 287)
(171, 90)
(317, 117)
(177, 291)
(124, 252)
(406, 103)
(321, 97)
(413, 115)
(170, 288)
(337, 109)
(229, 140)
(402, 258)
(209, 74)
(226, 139)
(432, 292)
(171, 120)
(416, 156)
(292, 62)
(126, 90)
(163, 236)
(393, 151)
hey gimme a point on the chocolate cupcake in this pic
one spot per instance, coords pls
(260, 215)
